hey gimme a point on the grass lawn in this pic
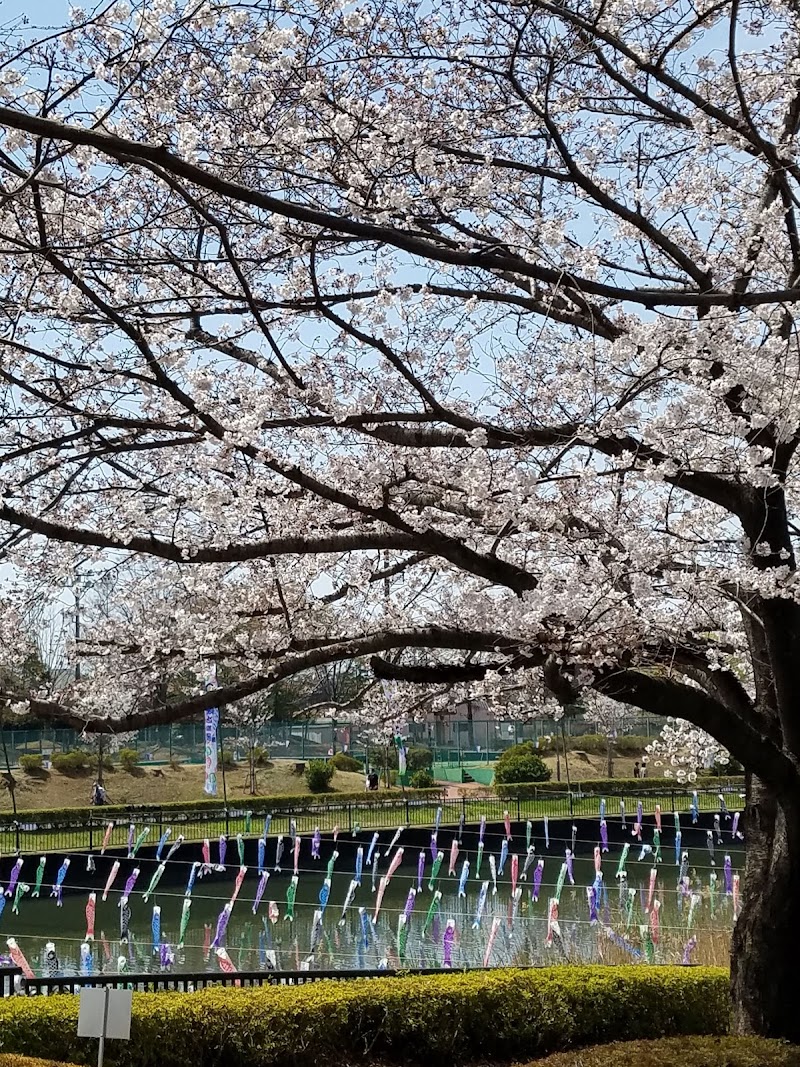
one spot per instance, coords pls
(583, 765)
(160, 785)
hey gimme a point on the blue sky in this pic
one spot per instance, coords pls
(39, 12)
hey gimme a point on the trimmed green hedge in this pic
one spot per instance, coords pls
(681, 1052)
(291, 804)
(453, 1018)
(626, 786)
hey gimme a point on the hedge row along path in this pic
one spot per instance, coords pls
(497, 1017)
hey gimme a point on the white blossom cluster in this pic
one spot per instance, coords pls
(681, 750)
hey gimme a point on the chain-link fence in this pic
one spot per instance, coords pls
(451, 740)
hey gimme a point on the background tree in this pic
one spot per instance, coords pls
(249, 717)
(463, 340)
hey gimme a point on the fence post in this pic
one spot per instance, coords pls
(91, 833)
(519, 809)
(227, 822)
(408, 816)
(16, 834)
(350, 817)
(571, 806)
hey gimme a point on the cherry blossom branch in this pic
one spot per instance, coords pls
(124, 149)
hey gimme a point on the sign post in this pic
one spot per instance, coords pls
(105, 1013)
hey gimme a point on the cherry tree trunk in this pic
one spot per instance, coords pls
(765, 951)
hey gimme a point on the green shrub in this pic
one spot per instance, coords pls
(13, 1060)
(226, 761)
(631, 744)
(593, 744)
(343, 762)
(719, 770)
(319, 775)
(419, 758)
(422, 779)
(525, 748)
(523, 768)
(680, 1052)
(128, 759)
(484, 1017)
(260, 756)
(75, 762)
(31, 764)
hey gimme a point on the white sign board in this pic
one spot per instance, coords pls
(105, 1013)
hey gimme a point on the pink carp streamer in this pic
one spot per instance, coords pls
(226, 963)
(296, 855)
(453, 857)
(379, 899)
(206, 855)
(91, 904)
(18, 957)
(652, 888)
(514, 873)
(492, 938)
(735, 897)
(598, 861)
(110, 880)
(107, 838)
(507, 824)
(658, 817)
(239, 879)
(397, 859)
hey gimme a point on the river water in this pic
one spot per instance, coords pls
(612, 920)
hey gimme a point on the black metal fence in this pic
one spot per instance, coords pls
(79, 833)
(12, 983)
(8, 976)
(191, 982)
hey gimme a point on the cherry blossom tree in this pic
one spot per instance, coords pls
(461, 340)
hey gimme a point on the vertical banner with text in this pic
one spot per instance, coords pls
(212, 723)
